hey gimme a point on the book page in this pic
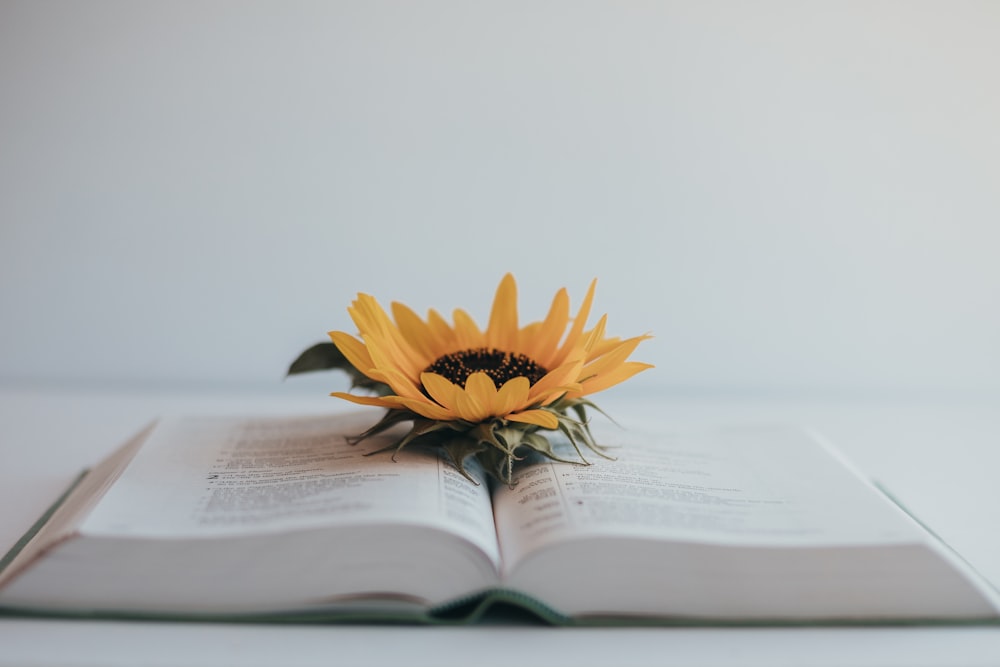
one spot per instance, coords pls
(751, 486)
(210, 476)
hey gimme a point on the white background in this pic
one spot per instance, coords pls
(788, 195)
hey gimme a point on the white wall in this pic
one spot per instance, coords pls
(787, 194)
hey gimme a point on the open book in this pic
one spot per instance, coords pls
(280, 518)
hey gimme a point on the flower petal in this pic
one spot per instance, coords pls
(380, 349)
(402, 385)
(501, 334)
(596, 335)
(427, 409)
(614, 358)
(552, 384)
(441, 389)
(542, 418)
(481, 388)
(579, 322)
(389, 402)
(602, 347)
(353, 350)
(364, 400)
(442, 332)
(467, 334)
(610, 379)
(416, 331)
(379, 330)
(546, 339)
(513, 395)
(469, 408)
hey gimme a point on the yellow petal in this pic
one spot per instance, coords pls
(547, 338)
(379, 349)
(528, 340)
(427, 409)
(482, 389)
(610, 379)
(365, 312)
(564, 375)
(422, 407)
(441, 389)
(405, 357)
(555, 393)
(415, 330)
(501, 334)
(596, 334)
(467, 334)
(579, 323)
(542, 418)
(613, 358)
(353, 349)
(391, 402)
(469, 408)
(378, 330)
(513, 395)
(364, 400)
(443, 334)
(602, 347)
(400, 384)
(359, 314)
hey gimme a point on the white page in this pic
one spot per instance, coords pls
(751, 486)
(211, 476)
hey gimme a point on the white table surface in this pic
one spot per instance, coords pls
(940, 455)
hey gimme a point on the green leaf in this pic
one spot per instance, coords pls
(319, 357)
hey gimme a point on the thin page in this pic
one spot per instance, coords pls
(747, 486)
(212, 476)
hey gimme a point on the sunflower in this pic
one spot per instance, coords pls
(485, 392)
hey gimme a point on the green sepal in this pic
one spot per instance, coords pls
(495, 443)
(421, 428)
(388, 420)
(512, 437)
(580, 405)
(496, 464)
(579, 432)
(460, 448)
(541, 444)
(485, 434)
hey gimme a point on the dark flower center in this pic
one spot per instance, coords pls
(500, 366)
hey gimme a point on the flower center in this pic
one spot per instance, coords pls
(500, 366)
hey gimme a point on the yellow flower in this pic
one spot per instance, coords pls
(461, 373)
